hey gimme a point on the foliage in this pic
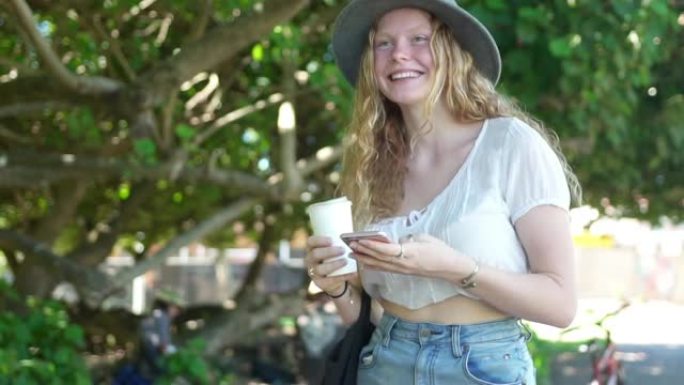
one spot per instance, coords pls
(187, 363)
(602, 75)
(544, 352)
(40, 347)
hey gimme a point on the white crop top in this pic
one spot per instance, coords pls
(509, 170)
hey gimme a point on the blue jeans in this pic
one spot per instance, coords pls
(490, 353)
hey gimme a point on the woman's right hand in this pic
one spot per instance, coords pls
(322, 258)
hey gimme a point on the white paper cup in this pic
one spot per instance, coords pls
(331, 218)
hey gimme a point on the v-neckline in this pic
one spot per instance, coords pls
(415, 215)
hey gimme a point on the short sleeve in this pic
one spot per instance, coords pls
(531, 173)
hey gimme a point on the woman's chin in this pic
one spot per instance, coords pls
(409, 102)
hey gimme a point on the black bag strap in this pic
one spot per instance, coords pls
(341, 365)
(365, 313)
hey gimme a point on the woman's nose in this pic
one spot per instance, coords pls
(401, 51)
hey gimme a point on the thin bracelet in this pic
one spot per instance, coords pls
(346, 285)
(469, 281)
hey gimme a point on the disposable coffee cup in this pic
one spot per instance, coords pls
(331, 218)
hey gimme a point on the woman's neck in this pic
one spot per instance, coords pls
(415, 116)
(440, 120)
(444, 130)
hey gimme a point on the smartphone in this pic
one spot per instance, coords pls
(379, 236)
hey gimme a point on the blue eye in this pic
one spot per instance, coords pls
(420, 39)
(382, 45)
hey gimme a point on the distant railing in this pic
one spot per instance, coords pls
(201, 275)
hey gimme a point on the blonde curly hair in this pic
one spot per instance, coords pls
(378, 143)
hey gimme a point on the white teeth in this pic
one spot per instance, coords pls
(404, 75)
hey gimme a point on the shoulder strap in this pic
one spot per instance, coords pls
(364, 314)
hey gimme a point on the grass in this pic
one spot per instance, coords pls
(549, 343)
(545, 351)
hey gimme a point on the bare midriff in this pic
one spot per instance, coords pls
(458, 309)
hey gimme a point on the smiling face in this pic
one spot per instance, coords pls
(402, 57)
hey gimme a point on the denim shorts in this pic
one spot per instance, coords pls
(490, 353)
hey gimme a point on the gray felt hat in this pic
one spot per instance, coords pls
(350, 33)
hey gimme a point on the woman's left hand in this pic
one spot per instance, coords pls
(422, 255)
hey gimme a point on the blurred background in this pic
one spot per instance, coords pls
(167, 149)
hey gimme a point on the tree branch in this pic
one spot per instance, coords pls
(255, 268)
(167, 122)
(241, 112)
(21, 67)
(40, 88)
(29, 108)
(235, 115)
(9, 135)
(216, 47)
(202, 22)
(230, 328)
(114, 47)
(29, 169)
(90, 281)
(288, 135)
(230, 213)
(323, 158)
(93, 253)
(80, 84)
(67, 198)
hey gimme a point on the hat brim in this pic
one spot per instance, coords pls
(350, 33)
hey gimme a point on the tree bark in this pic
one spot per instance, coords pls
(254, 272)
(79, 84)
(214, 48)
(32, 275)
(229, 328)
(37, 256)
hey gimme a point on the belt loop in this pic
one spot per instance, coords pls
(456, 341)
(391, 321)
(525, 329)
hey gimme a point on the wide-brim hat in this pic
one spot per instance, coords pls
(350, 33)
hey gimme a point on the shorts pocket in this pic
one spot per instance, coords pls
(500, 362)
(368, 355)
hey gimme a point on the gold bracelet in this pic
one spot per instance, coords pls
(469, 281)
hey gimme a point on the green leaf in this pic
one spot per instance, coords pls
(660, 7)
(496, 5)
(560, 47)
(185, 131)
(61, 357)
(146, 150)
(526, 33)
(74, 335)
(258, 52)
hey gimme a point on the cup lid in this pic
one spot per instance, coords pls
(328, 202)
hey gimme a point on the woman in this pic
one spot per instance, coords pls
(473, 191)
